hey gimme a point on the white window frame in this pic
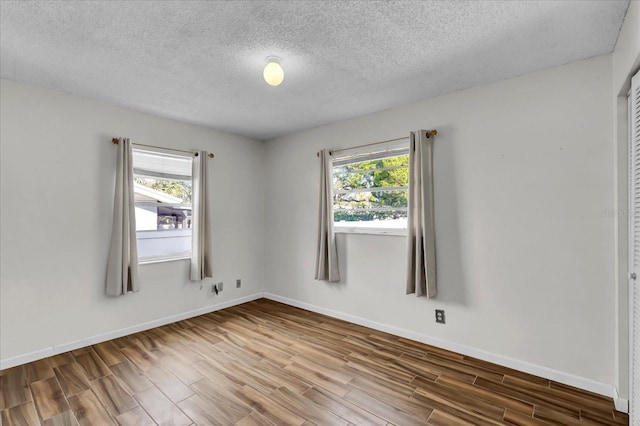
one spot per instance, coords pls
(168, 233)
(390, 149)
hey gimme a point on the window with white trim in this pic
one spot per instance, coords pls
(371, 189)
(163, 191)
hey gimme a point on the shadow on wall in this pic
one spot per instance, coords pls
(343, 262)
(451, 277)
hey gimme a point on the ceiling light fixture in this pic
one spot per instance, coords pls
(273, 73)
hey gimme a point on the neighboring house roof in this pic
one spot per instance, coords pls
(144, 193)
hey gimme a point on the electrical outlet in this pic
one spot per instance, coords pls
(238, 283)
(214, 288)
(220, 286)
(440, 316)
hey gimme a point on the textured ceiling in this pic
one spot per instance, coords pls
(201, 61)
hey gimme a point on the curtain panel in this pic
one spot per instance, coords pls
(201, 264)
(122, 267)
(421, 242)
(327, 253)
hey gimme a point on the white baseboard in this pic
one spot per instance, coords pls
(621, 404)
(77, 344)
(25, 358)
(527, 367)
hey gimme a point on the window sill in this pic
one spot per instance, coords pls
(370, 231)
(151, 260)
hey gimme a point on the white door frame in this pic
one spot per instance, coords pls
(634, 267)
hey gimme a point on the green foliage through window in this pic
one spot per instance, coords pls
(176, 188)
(371, 189)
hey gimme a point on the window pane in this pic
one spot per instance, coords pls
(163, 196)
(176, 191)
(370, 199)
(164, 243)
(161, 165)
(371, 193)
(364, 222)
(392, 171)
(362, 214)
(162, 204)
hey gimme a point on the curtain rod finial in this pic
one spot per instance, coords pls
(114, 141)
(211, 155)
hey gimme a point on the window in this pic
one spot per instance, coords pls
(370, 191)
(163, 190)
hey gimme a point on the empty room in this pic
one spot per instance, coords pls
(320, 212)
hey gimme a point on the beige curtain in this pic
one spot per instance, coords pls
(122, 268)
(327, 254)
(201, 266)
(421, 242)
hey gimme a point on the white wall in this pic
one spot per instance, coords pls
(626, 61)
(57, 191)
(523, 176)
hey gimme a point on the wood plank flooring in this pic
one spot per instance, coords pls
(265, 363)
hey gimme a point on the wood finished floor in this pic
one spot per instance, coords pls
(264, 363)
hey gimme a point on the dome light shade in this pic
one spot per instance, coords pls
(273, 73)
